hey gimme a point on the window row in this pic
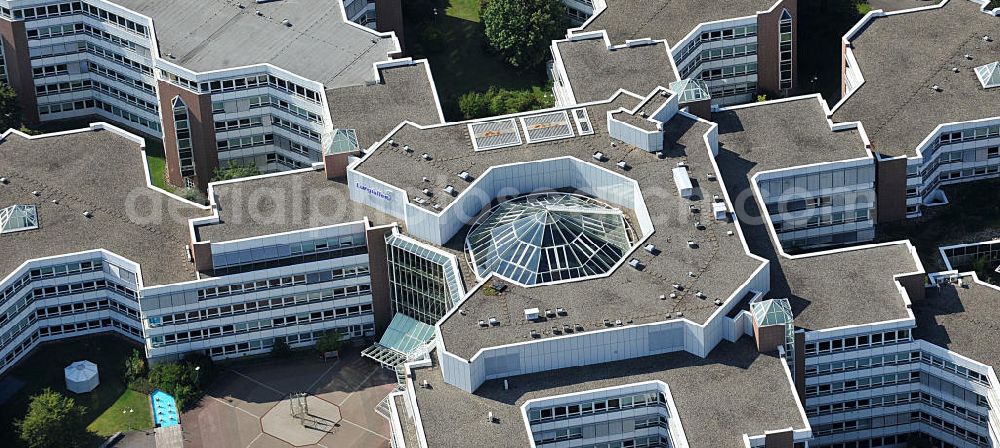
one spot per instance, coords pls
(350, 331)
(245, 142)
(296, 128)
(278, 282)
(856, 342)
(896, 400)
(730, 71)
(260, 101)
(117, 76)
(820, 220)
(46, 292)
(319, 245)
(259, 305)
(241, 123)
(254, 81)
(283, 160)
(538, 415)
(738, 32)
(868, 382)
(85, 307)
(715, 54)
(870, 362)
(112, 56)
(262, 324)
(61, 9)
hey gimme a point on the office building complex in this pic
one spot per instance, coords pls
(647, 264)
(218, 81)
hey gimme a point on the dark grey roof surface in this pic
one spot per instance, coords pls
(720, 262)
(902, 56)
(405, 94)
(595, 72)
(206, 35)
(824, 290)
(963, 319)
(100, 172)
(896, 5)
(668, 19)
(786, 134)
(648, 107)
(284, 203)
(734, 391)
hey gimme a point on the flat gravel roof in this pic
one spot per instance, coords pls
(668, 19)
(100, 172)
(901, 56)
(733, 391)
(206, 35)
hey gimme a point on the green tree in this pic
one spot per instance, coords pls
(503, 101)
(280, 349)
(179, 380)
(10, 109)
(521, 30)
(474, 105)
(193, 195)
(53, 420)
(234, 171)
(135, 366)
(330, 342)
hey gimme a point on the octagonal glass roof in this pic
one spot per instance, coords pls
(543, 238)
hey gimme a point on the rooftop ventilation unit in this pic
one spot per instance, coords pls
(683, 181)
(425, 179)
(678, 286)
(987, 38)
(425, 384)
(436, 206)
(449, 190)
(622, 164)
(425, 156)
(494, 322)
(482, 323)
(88, 214)
(258, 12)
(651, 248)
(599, 156)
(427, 191)
(499, 287)
(531, 314)
(968, 56)
(718, 302)
(36, 193)
(535, 334)
(3, 180)
(635, 263)
(392, 142)
(286, 22)
(720, 211)
(561, 311)
(419, 200)
(550, 314)
(464, 175)
(700, 295)
(407, 148)
(692, 244)
(936, 88)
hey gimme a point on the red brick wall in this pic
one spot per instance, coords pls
(202, 124)
(767, 49)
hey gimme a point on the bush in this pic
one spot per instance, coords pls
(53, 420)
(234, 171)
(135, 367)
(193, 195)
(281, 349)
(503, 101)
(181, 380)
(10, 109)
(522, 30)
(330, 342)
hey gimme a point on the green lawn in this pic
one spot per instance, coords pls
(464, 9)
(459, 55)
(44, 368)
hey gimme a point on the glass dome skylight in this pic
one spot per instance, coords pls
(549, 237)
(18, 217)
(690, 90)
(989, 74)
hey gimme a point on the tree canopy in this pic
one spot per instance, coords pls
(234, 171)
(53, 420)
(521, 30)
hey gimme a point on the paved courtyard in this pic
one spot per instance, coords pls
(248, 406)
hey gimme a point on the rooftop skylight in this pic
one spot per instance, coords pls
(494, 134)
(690, 90)
(989, 74)
(548, 237)
(344, 140)
(772, 312)
(17, 218)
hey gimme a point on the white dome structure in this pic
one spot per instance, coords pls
(81, 377)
